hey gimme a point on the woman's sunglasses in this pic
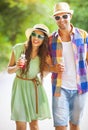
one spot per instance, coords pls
(65, 16)
(37, 35)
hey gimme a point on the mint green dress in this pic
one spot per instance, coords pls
(23, 101)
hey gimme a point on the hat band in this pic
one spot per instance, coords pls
(41, 29)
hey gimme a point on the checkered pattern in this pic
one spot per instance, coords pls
(79, 40)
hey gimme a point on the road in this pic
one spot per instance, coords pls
(6, 81)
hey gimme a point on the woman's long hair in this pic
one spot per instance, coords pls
(42, 53)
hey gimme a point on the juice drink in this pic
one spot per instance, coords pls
(22, 61)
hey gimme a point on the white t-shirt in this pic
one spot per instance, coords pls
(69, 74)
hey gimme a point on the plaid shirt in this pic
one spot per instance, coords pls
(79, 40)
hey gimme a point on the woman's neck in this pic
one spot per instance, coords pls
(34, 52)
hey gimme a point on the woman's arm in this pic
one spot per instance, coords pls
(49, 67)
(12, 66)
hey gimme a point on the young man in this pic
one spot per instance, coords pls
(70, 46)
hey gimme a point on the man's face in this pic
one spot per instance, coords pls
(63, 20)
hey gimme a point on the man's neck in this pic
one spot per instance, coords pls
(65, 31)
(65, 34)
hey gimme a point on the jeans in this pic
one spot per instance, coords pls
(68, 107)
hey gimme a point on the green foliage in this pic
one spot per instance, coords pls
(5, 50)
(17, 15)
(80, 17)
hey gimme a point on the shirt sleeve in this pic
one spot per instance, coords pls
(87, 48)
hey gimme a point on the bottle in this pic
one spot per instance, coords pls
(22, 61)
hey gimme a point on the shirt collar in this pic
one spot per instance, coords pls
(72, 31)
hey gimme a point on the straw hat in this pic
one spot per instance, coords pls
(62, 7)
(40, 27)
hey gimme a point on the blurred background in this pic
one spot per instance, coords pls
(17, 15)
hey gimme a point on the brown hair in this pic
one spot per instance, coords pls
(42, 53)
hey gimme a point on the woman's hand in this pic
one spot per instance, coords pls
(21, 63)
(57, 68)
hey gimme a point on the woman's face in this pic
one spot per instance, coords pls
(37, 38)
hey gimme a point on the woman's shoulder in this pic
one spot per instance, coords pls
(18, 45)
(18, 48)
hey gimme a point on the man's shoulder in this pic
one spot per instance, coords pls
(81, 31)
(53, 34)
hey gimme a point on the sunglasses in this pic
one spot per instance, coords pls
(63, 16)
(41, 37)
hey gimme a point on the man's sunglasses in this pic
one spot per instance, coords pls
(37, 35)
(65, 16)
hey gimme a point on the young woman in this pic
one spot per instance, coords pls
(29, 101)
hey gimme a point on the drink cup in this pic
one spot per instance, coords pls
(61, 61)
(22, 61)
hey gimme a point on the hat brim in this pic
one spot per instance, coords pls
(58, 12)
(29, 31)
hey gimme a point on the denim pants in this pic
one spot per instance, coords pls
(68, 107)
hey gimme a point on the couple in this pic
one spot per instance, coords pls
(44, 53)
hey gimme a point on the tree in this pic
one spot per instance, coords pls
(17, 15)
